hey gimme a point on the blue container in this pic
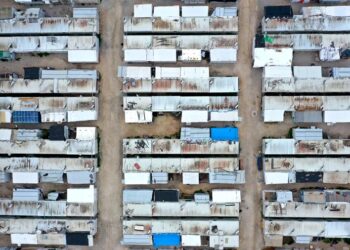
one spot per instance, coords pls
(26, 117)
(224, 134)
(166, 240)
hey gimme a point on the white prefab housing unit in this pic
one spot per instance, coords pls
(82, 195)
(272, 57)
(226, 196)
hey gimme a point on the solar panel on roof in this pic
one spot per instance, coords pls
(26, 117)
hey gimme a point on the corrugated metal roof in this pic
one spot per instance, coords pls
(341, 72)
(160, 178)
(194, 134)
(137, 240)
(26, 194)
(201, 198)
(81, 177)
(236, 177)
(311, 134)
(307, 71)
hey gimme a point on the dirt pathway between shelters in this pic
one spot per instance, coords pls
(251, 129)
(111, 129)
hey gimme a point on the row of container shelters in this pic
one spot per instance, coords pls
(79, 202)
(50, 82)
(194, 109)
(80, 49)
(160, 170)
(196, 42)
(333, 108)
(320, 19)
(48, 109)
(332, 204)
(324, 147)
(83, 141)
(303, 231)
(155, 170)
(178, 146)
(192, 19)
(147, 10)
(157, 233)
(32, 21)
(331, 47)
(303, 79)
(287, 170)
(166, 203)
(175, 80)
(49, 232)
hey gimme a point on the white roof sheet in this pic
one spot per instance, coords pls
(193, 116)
(229, 116)
(336, 116)
(143, 10)
(24, 239)
(195, 11)
(83, 56)
(82, 115)
(276, 177)
(190, 178)
(272, 57)
(166, 11)
(335, 229)
(5, 134)
(277, 71)
(81, 195)
(25, 177)
(191, 240)
(86, 133)
(223, 55)
(137, 178)
(150, 55)
(336, 11)
(273, 115)
(226, 196)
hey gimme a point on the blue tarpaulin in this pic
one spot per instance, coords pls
(224, 134)
(166, 240)
(25, 117)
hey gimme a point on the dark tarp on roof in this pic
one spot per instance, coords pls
(166, 195)
(259, 41)
(303, 177)
(278, 11)
(57, 133)
(308, 116)
(32, 73)
(77, 239)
